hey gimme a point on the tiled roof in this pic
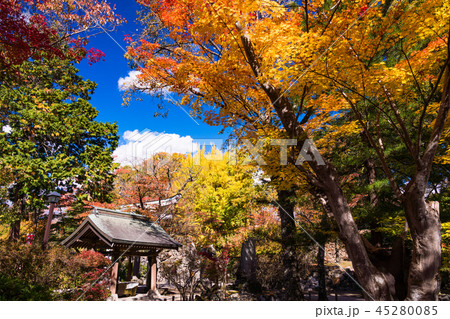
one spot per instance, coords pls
(109, 228)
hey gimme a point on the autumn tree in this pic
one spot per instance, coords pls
(145, 186)
(30, 29)
(264, 69)
(215, 209)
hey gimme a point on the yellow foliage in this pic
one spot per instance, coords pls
(326, 53)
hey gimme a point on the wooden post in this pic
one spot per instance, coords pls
(151, 273)
(149, 266)
(49, 225)
(114, 275)
(137, 266)
(130, 268)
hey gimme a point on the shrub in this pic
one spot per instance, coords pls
(31, 265)
(14, 289)
(29, 273)
(92, 281)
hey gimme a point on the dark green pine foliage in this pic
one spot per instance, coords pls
(49, 138)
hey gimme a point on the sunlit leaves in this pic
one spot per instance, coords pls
(29, 29)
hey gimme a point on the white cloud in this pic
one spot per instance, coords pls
(132, 82)
(7, 129)
(138, 146)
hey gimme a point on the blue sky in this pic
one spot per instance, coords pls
(139, 114)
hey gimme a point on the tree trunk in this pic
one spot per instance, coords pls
(14, 231)
(291, 278)
(322, 238)
(392, 263)
(423, 218)
(374, 283)
(322, 272)
(425, 226)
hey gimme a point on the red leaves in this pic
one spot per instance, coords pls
(253, 16)
(91, 259)
(38, 20)
(92, 264)
(214, 263)
(27, 29)
(77, 50)
(171, 12)
(23, 36)
(128, 39)
(95, 55)
(362, 10)
(29, 239)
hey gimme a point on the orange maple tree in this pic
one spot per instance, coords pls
(269, 70)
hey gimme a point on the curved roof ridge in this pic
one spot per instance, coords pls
(119, 228)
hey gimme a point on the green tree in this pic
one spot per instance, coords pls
(49, 137)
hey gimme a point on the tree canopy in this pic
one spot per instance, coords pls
(50, 138)
(315, 69)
